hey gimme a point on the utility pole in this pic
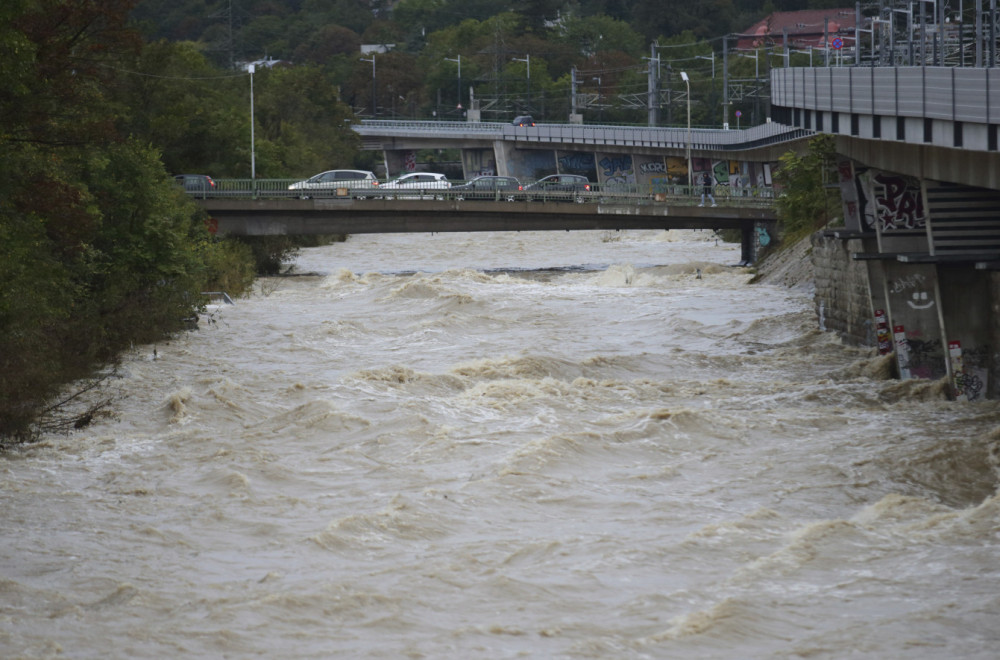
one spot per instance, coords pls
(654, 75)
(572, 94)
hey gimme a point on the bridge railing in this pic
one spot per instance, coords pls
(608, 193)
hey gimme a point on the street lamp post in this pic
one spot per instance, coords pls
(253, 164)
(687, 84)
(458, 60)
(372, 60)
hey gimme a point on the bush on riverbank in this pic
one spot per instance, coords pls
(92, 265)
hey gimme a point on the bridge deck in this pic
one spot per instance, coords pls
(365, 216)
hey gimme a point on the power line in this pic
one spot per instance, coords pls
(154, 75)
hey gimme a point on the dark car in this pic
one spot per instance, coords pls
(524, 120)
(573, 187)
(196, 184)
(488, 187)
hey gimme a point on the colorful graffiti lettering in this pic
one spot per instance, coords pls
(899, 203)
(616, 165)
(763, 237)
(654, 167)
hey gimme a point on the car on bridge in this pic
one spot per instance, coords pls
(200, 185)
(415, 181)
(332, 182)
(488, 187)
(559, 187)
(524, 120)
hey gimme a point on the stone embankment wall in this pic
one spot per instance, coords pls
(843, 301)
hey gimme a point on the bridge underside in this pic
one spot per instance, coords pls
(928, 247)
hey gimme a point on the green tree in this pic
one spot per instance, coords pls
(303, 128)
(98, 247)
(805, 202)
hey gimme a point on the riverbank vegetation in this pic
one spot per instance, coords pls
(99, 249)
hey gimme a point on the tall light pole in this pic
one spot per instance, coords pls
(458, 60)
(372, 60)
(527, 60)
(253, 163)
(687, 84)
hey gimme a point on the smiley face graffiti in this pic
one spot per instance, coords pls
(920, 300)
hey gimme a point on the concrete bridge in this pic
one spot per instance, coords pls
(365, 214)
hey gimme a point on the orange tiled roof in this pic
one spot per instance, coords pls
(804, 28)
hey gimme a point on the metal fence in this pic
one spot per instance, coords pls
(587, 136)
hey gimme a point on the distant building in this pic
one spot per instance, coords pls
(809, 28)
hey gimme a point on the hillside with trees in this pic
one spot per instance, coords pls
(516, 57)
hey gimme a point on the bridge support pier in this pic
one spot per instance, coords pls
(748, 251)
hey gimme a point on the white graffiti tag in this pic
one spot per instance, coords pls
(909, 282)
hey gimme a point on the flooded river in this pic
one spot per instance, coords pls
(524, 445)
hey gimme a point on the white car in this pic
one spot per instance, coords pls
(416, 181)
(328, 183)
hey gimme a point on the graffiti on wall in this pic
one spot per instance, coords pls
(578, 162)
(616, 168)
(893, 201)
(652, 168)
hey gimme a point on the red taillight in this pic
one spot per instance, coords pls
(586, 187)
(520, 187)
(210, 182)
(375, 183)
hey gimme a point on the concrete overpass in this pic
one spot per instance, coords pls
(619, 155)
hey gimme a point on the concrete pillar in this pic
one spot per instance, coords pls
(967, 322)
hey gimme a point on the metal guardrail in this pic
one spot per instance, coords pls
(587, 135)
(750, 196)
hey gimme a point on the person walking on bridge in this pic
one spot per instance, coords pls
(706, 181)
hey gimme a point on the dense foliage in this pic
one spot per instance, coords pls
(809, 200)
(98, 247)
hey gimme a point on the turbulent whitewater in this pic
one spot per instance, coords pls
(509, 445)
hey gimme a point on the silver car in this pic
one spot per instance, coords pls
(332, 182)
(415, 181)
